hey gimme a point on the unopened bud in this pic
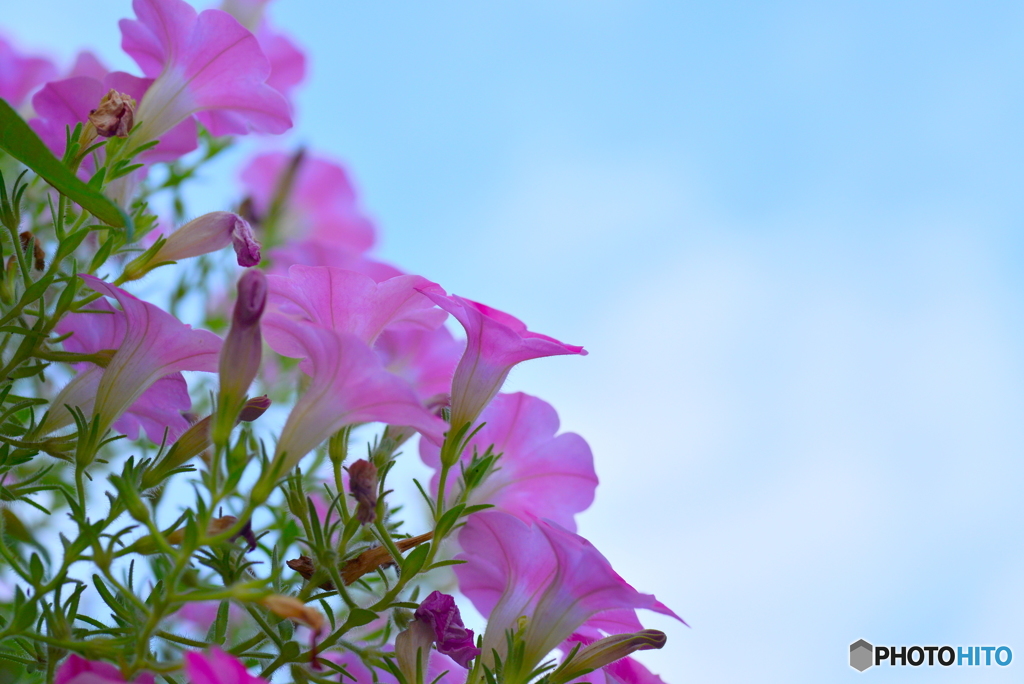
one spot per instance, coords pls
(31, 242)
(606, 651)
(242, 351)
(362, 483)
(254, 408)
(209, 233)
(294, 610)
(115, 116)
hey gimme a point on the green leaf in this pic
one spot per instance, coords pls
(359, 617)
(413, 563)
(22, 143)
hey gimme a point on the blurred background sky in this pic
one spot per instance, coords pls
(790, 236)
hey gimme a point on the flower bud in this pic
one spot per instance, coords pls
(31, 242)
(209, 233)
(294, 610)
(243, 349)
(362, 484)
(115, 115)
(606, 651)
(254, 408)
(439, 612)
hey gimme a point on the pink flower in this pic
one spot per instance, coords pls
(217, 667)
(554, 578)
(321, 205)
(348, 386)
(155, 344)
(539, 475)
(66, 103)
(210, 233)
(158, 408)
(243, 347)
(287, 62)
(78, 670)
(20, 74)
(344, 301)
(424, 358)
(439, 612)
(204, 64)
(495, 342)
(310, 252)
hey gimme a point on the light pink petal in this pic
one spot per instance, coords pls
(92, 332)
(348, 386)
(539, 475)
(425, 358)
(63, 104)
(158, 408)
(78, 670)
(317, 253)
(217, 667)
(21, 74)
(87, 64)
(287, 62)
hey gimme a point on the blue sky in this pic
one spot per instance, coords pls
(789, 235)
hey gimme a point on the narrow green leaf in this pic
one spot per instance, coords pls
(22, 143)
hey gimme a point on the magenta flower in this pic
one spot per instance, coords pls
(554, 578)
(344, 301)
(210, 233)
(424, 358)
(539, 475)
(78, 670)
(157, 409)
(439, 612)
(495, 342)
(322, 205)
(217, 667)
(348, 386)
(66, 103)
(155, 344)
(20, 74)
(204, 64)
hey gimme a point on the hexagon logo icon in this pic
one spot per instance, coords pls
(862, 655)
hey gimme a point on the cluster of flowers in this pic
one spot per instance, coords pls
(355, 342)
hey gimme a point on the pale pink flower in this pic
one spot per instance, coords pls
(155, 344)
(348, 386)
(78, 670)
(344, 301)
(217, 667)
(20, 74)
(424, 358)
(539, 475)
(204, 64)
(157, 409)
(321, 206)
(66, 103)
(554, 578)
(495, 342)
(210, 233)
(287, 62)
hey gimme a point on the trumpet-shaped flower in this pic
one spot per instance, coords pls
(495, 342)
(344, 301)
(20, 74)
(78, 670)
(555, 579)
(217, 667)
(157, 409)
(320, 205)
(155, 344)
(204, 64)
(539, 475)
(348, 386)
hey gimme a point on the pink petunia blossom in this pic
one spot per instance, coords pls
(554, 578)
(287, 61)
(217, 667)
(158, 408)
(539, 475)
(321, 205)
(155, 344)
(78, 670)
(20, 74)
(204, 64)
(344, 301)
(424, 358)
(348, 386)
(495, 342)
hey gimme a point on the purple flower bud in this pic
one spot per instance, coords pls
(209, 233)
(254, 408)
(243, 347)
(362, 483)
(439, 612)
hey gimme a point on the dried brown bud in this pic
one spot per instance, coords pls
(304, 566)
(362, 483)
(28, 240)
(295, 610)
(114, 116)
